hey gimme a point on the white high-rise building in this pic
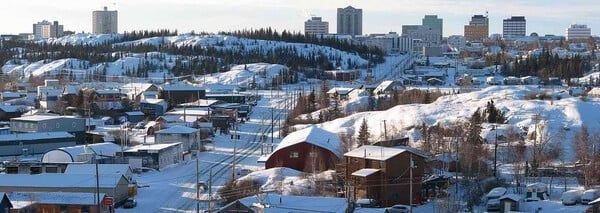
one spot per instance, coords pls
(316, 26)
(578, 32)
(349, 21)
(422, 36)
(46, 29)
(515, 26)
(104, 21)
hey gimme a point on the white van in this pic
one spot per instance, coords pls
(571, 197)
(493, 204)
(589, 196)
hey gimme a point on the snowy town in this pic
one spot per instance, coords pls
(314, 120)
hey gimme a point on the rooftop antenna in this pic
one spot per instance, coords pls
(486, 14)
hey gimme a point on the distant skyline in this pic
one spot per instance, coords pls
(381, 16)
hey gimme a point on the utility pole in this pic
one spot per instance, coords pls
(210, 206)
(412, 164)
(235, 136)
(495, 150)
(97, 186)
(197, 181)
(272, 125)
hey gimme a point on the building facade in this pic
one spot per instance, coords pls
(478, 28)
(316, 26)
(515, 26)
(390, 43)
(435, 23)
(422, 36)
(104, 21)
(349, 21)
(457, 42)
(48, 123)
(578, 32)
(46, 29)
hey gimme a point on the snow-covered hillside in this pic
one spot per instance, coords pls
(242, 75)
(566, 113)
(81, 69)
(83, 39)
(225, 42)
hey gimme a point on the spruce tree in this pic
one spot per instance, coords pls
(363, 133)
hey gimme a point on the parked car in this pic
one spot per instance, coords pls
(571, 197)
(398, 209)
(140, 125)
(589, 196)
(366, 203)
(130, 203)
(493, 202)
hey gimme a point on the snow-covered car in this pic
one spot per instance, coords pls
(571, 197)
(140, 125)
(366, 203)
(589, 196)
(398, 209)
(130, 203)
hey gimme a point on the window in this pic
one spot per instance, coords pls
(294, 155)
(312, 154)
(367, 163)
(380, 164)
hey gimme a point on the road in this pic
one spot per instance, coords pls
(174, 190)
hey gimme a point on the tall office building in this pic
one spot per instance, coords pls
(515, 26)
(435, 23)
(104, 21)
(578, 32)
(478, 28)
(349, 21)
(316, 26)
(45, 29)
(422, 36)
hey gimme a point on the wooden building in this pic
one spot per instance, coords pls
(383, 174)
(310, 149)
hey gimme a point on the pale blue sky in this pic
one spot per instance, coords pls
(543, 16)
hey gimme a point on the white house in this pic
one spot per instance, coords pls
(189, 137)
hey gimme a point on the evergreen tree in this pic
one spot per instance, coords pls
(363, 133)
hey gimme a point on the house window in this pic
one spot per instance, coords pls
(367, 163)
(312, 154)
(380, 164)
(294, 155)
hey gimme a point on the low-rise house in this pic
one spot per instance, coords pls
(34, 167)
(103, 152)
(114, 185)
(49, 123)
(357, 93)
(342, 75)
(134, 117)
(7, 96)
(189, 137)
(34, 143)
(339, 93)
(387, 87)
(55, 201)
(510, 202)
(153, 107)
(176, 94)
(155, 156)
(11, 111)
(139, 91)
(382, 173)
(108, 99)
(310, 149)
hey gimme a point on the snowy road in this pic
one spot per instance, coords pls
(174, 190)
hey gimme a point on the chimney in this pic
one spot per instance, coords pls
(105, 8)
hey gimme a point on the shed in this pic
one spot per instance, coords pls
(315, 145)
(536, 192)
(81, 153)
(509, 202)
(155, 156)
(189, 137)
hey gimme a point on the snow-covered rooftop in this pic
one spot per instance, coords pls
(289, 203)
(316, 136)
(365, 172)
(374, 152)
(66, 198)
(59, 180)
(69, 154)
(35, 136)
(178, 130)
(102, 169)
(151, 147)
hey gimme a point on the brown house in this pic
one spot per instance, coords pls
(383, 174)
(311, 149)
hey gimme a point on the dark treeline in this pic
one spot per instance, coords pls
(543, 66)
(373, 54)
(140, 34)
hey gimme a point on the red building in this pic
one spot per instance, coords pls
(308, 150)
